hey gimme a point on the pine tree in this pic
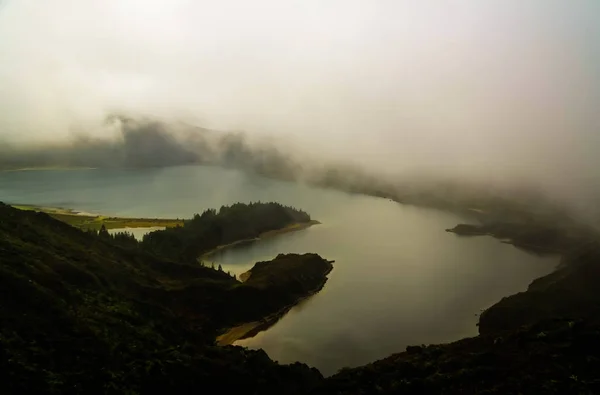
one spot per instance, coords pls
(103, 232)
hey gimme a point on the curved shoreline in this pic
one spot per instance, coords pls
(265, 235)
(93, 221)
(251, 329)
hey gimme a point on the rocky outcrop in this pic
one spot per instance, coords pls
(468, 230)
(272, 288)
(277, 285)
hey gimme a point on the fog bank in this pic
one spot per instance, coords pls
(500, 94)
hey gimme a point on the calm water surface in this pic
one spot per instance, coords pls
(399, 278)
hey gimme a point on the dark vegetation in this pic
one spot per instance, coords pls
(80, 314)
(543, 341)
(529, 224)
(542, 237)
(287, 278)
(549, 357)
(87, 313)
(211, 229)
(571, 292)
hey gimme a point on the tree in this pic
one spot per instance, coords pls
(220, 268)
(103, 232)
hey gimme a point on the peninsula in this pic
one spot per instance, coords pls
(84, 312)
(288, 279)
(87, 221)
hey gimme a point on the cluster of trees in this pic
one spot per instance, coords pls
(81, 315)
(122, 239)
(219, 268)
(212, 228)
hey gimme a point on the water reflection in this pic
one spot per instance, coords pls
(399, 279)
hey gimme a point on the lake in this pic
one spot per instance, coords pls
(399, 279)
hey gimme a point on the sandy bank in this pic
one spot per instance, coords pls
(290, 228)
(251, 329)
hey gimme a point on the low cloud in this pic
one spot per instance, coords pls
(396, 97)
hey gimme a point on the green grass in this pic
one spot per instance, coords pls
(89, 222)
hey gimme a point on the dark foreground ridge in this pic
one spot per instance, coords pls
(543, 341)
(82, 315)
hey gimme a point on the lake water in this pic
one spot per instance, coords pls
(399, 279)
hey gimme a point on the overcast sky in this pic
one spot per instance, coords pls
(490, 86)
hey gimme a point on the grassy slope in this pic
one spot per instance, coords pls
(80, 315)
(95, 222)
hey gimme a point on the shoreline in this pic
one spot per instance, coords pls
(248, 330)
(47, 168)
(92, 221)
(265, 235)
(470, 231)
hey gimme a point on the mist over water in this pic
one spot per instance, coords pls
(399, 279)
(496, 94)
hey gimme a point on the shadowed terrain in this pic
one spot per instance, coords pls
(80, 314)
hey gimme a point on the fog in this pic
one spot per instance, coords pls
(498, 92)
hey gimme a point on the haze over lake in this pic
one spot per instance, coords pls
(399, 279)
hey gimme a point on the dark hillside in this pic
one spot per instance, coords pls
(283, 280)
(571, 292)
(550, 357)
(542, 341)
(214, 228)
(79, 315)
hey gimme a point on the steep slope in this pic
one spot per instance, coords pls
(80, 315)
(550, 357)
(571, 292)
